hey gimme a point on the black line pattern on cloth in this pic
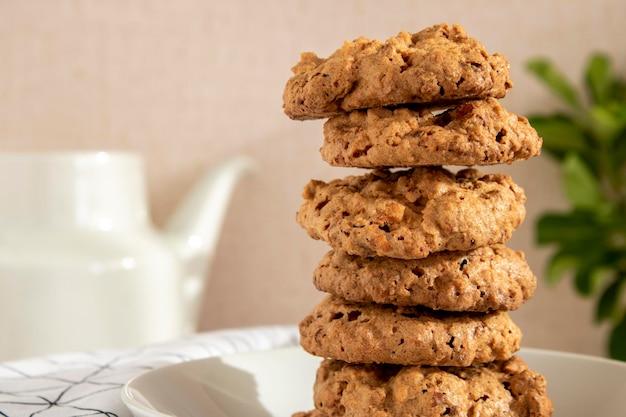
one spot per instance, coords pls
(89, 383)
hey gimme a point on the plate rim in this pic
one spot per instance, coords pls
(138, 408)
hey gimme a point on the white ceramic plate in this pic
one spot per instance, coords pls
(277, 383)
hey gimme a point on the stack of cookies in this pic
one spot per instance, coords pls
(419, 279)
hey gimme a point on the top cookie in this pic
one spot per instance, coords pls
(436, 66)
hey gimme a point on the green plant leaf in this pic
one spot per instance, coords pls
(573, 231)
(559, 264)
(619, 152)
(560, 133)
(605, 124)
(580, 184)
(588, 278)
(555, 81)
(583, 282)
(618, 90)
(591, 270)
(619, 108)
(617, 340)
(608, 305)
(598, 78)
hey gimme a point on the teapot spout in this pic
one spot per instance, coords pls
(195, 226)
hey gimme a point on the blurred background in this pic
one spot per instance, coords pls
(187, 84)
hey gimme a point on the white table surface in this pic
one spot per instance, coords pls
(90, 383)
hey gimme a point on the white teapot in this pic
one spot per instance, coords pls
(81, 265)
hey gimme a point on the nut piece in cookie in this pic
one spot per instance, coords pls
(489, 278)
(438, 65)
(411, 213)
(479, 132)
(503, 388)
(377, 333)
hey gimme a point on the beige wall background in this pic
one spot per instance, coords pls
(190, 83)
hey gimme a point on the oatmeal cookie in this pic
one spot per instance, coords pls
(437, 66)
(479, 132)
(382, 333)
(484, 279)
(411, 213)
(502, 388)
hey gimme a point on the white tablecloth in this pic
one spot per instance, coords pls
(90, 383)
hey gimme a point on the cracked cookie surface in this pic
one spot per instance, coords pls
(483, 279)
(480, 132)
(503, 388)
(438, 65)
(376, 333)
(411, 213)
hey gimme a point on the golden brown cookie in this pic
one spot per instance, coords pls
(411, 213)
(377, 333)
(503, 388)
(483, 279)
(437, 65)
(479, 132)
